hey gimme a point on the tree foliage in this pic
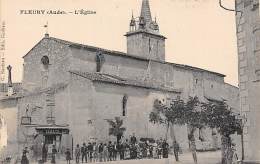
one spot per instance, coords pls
(179, 113)
(220, 116)
(163, 114)
(217, 115)
(116, 128)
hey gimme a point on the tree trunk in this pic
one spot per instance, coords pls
(226, 151)
(172, 133)
(192, 143)
(167, 129)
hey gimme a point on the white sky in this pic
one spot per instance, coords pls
(199, 32)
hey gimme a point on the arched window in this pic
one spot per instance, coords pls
(45, 69)
(99, 61)
(45, 62)
(150, 46)
(124, 103)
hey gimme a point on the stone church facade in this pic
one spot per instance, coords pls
(80, 87)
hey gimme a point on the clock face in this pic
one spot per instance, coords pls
(45, 60)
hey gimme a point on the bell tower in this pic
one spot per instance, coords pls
(143, 38)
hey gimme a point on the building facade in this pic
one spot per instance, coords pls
(72, 87)
(248, 34)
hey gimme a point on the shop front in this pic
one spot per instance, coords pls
(53, 136)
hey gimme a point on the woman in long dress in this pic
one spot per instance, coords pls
(24, 156)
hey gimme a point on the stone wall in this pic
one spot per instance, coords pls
(92, 103)
(8, 110)
(85, 60)
(36, 75)
(36, 106)
(85, 105)
(248, 43)
(197, 82)
(146, 45)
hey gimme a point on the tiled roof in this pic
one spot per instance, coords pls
(215, 98)
(122, 54)
(100, 77)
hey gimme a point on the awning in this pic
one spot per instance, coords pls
(52, 129)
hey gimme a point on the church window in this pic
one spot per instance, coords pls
(124, 103)
(157, 47)
(196, 81)
(150, 47)
(211, 86)
(45, 62)
(45, 69)
(99, 61)
(257, 70)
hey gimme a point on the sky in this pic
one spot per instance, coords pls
(199, 33)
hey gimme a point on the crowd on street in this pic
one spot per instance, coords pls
(125, 149)
(129, 149)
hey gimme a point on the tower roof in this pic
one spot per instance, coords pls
(146, 12)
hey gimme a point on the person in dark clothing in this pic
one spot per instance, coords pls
(126, 149)
(100, 152)
(24, 156)
(90, 151)
(44, 153)
(53, 154)
(150, 151)
(120, 148)
(165, 149)
(77, 153)
(110, 151)
(115, 151)
(84, 152)
(68, 156)
(160, 142)
(146, 150)
(132, 151)
(176, 149)
(133, 139)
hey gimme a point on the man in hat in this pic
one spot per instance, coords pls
(84, 152)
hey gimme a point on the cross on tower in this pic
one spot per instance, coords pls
(46, 26)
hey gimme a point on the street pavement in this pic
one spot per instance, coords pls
(186, 158)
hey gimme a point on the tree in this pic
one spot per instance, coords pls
(116, 128)
(180, 113)
(195, 114)
(194, 119)
(220, 116)
(167, 115)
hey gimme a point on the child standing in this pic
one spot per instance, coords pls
(68, 156)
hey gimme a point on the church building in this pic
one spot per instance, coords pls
(70, 90)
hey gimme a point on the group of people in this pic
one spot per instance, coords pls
(25, 160)
(125, 149)
(122, 150)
